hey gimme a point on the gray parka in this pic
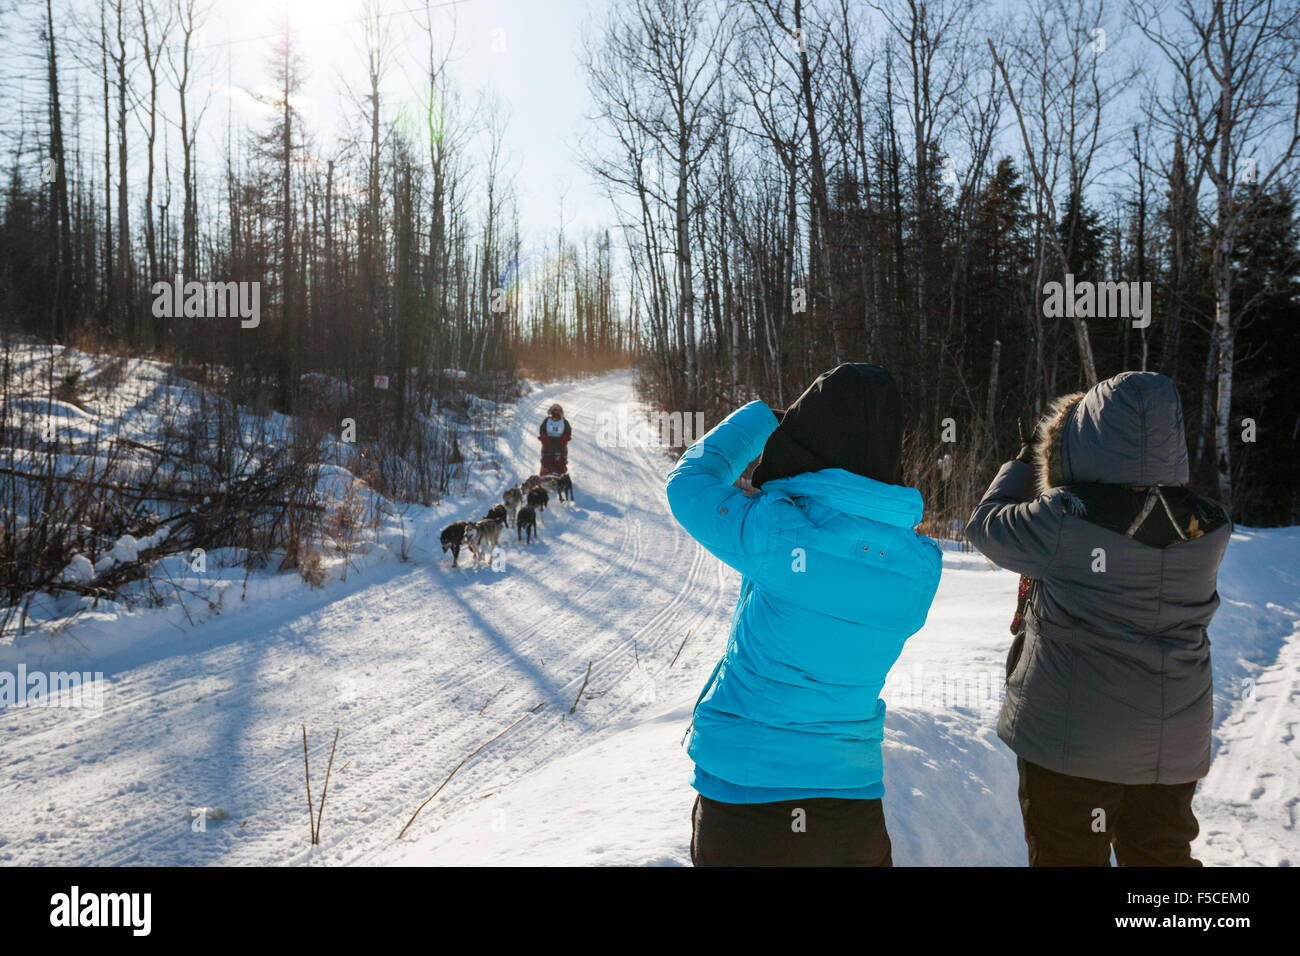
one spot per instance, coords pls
(1112, 681)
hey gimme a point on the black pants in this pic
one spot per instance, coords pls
(818, 831)
(1074, 821)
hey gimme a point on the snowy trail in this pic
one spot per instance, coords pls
(419, 664)
(1249, 804)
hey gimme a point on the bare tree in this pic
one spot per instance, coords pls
(121, 60)
(1065, 87)
(668, 50)
(935, 70)
(189, 18)
(154, 31)
(1237, 100)
(61, 243)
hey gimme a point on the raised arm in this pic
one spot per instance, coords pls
(701, 489)
(1012, 527)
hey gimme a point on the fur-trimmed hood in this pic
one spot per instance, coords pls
(1047, 441)
(1127, 430)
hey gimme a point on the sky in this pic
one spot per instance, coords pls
(524, 52)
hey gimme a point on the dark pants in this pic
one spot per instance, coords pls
(818, 831)
(1074, 821)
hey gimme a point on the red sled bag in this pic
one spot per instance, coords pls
(554, 464)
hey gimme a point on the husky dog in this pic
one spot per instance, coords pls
(514, 500)
(499, 513)
(453, 537)
(526, 521)
(551, 484)
(538, 499)
(483, 536)
(531, 482)
(565, 488)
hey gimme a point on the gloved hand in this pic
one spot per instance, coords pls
(1027, 444)
(744, 482)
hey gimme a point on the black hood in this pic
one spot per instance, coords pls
(850, 418)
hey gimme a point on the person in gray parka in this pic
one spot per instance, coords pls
(1108, 702)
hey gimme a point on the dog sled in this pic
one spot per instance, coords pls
(554, 465)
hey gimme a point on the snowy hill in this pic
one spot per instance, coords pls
(420, 664)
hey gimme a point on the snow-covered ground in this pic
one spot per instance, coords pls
(419, 664)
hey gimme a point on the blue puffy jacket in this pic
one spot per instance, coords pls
(833, 580)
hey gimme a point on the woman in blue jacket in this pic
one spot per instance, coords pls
(786, 736)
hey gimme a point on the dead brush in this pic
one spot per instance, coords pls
(308, 561)
(314, 814)
(346, 522)
(71, 389)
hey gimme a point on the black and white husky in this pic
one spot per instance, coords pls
(453, 538)
(482, 537)
(514, 500)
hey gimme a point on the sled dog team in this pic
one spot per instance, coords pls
(482, 537)
(524, 503)
(1108, 705)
